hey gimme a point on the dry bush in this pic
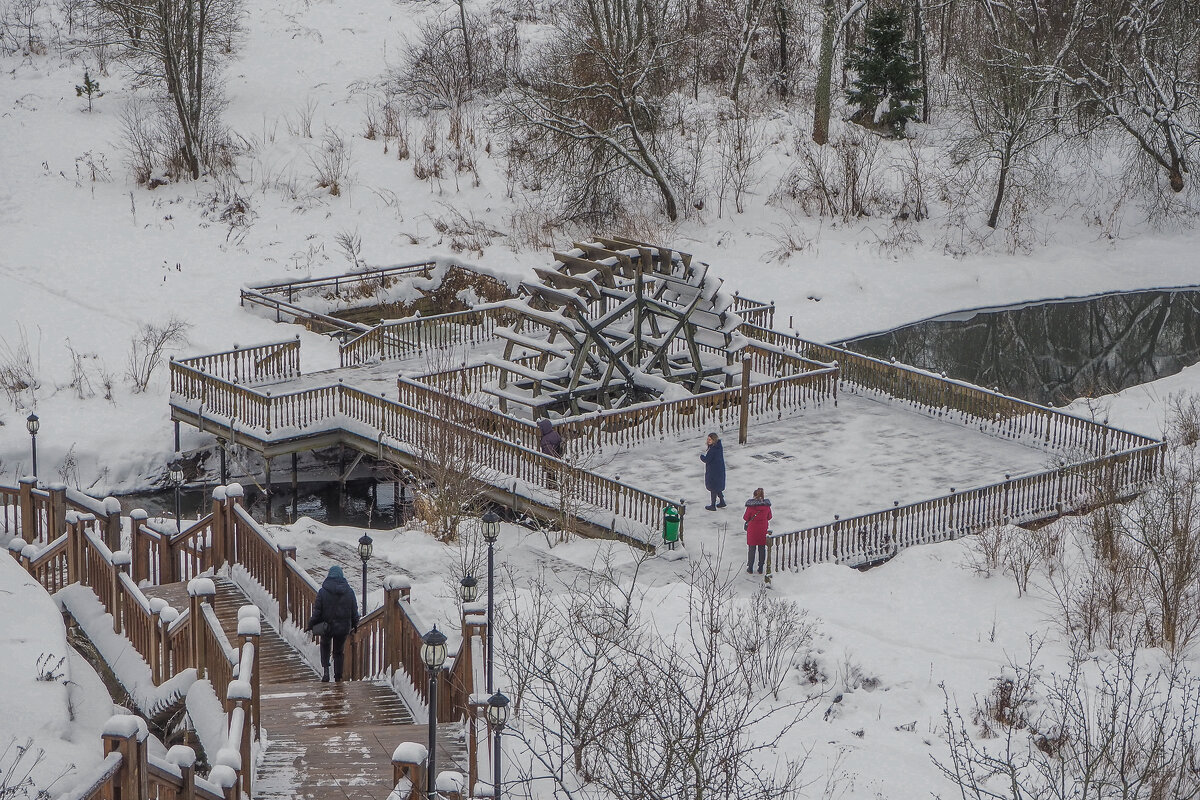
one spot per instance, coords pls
(22, 27)
(18, 368)
(301, 123)
(773, 636)
(466, 232)
(332, 162)
(741, 146)
(842, 179)
(148, 346)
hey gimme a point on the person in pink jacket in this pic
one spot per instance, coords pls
(758, 518)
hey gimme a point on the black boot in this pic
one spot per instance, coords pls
(325, 676)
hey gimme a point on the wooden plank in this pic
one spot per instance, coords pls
(561, 280)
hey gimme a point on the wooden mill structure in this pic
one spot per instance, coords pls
(612, 323)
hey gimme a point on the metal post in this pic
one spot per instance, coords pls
(364, 592)
(496, 765)
(178, 520)
(491, 658)
(224, 464)
(429, 776)
(33, 444)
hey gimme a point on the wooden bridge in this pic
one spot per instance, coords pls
(182, 599)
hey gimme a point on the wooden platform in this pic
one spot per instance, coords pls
(322, 740)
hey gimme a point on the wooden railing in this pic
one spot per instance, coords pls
(406, 337)
(278, 297)
(999, 414)
(277, 361)
(1026, 498)
(754, 312)
(410, 429)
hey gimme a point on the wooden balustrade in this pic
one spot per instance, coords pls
(998, 414)
(413, 335)
(350, 282)
(367, 654)
(755, 312)
(266, 362)
(1023, 499)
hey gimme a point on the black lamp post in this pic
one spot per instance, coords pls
(175, 474)
(491, 532)
(468, 589)
(364, 552)
(32, 424)
(433, 653)
(497, 717)
(224, 465)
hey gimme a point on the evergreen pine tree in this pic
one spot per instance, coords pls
(886, 70)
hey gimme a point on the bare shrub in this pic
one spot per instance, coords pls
(351, 245)
(772, 635)
(741, 147)
(1120, 726)
(22, 24)
(1183, 419)
(467, 233)
(841, 180)
(436, 73)
(19, 368)
(148, 346)
(428, 163)
(79, 377)
(300, 123)
(332, 162)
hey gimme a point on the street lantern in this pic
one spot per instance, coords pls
(468, 589)
(175, 475)
(491, 526)
(490, 522)
(32, 424)
(497, 717)
(365, 548)
(433, 653)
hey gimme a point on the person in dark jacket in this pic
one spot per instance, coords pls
(758, 518)
(714, 472)
(337, 607)
(551, 441)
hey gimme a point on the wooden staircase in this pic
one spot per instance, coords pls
(321, 740)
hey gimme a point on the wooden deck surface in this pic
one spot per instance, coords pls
(321, 740)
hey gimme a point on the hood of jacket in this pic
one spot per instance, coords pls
(754, 501)
(545, 426)
(336, 585)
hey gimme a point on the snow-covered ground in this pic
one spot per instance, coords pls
(87, 258)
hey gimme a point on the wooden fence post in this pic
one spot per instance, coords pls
(744, 424)
(56, 517)
(157, 634)
(285, 582)
(216, 544)
(199, 589)
(112, 525)
(74, 552)
(115, 605)
(233, 498)
(391, 620)
(26, 485)
(184, 758)
(249, 632)
(408, 762)
(139, 547)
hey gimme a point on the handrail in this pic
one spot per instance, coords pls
(272, 361)
(376, 273)
(1024, 498)
(1007, 415)
(399, 338)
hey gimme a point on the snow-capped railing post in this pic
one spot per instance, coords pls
(26, 485)
(117, 565)
(744, 422)
(56, 516)
(395, 589)
(199, 590)
(218, 538)
(139, 547)
(112, 524)
(408, 767)
(249, 630)
(126, 735)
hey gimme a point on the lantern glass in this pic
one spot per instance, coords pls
(491, 526)
(32, 424)
(433, 649)
(469, 589)
(175, 472)
(497, 711)
(365, 547)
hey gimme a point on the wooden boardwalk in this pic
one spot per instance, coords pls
(321, 740)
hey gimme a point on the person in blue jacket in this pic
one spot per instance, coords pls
(714, 472)
(337, 608)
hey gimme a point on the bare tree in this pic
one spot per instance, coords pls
(147, 347)
(1137, 62)
(176, 46)
(592, 95)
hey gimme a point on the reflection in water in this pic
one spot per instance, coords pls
(1055, 352)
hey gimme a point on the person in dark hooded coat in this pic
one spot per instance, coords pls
(551, 441)
(337, 607)
(714, 472)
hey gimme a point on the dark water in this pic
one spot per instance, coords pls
(364, 504)
(1055, 352)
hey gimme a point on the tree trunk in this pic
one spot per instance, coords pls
(1001, 185)
(820, 133)
(781, 25)
(922, 55)
(462, 23)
